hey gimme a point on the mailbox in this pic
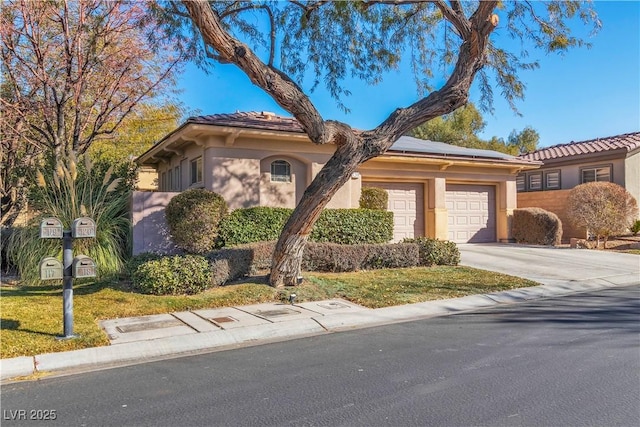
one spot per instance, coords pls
(83, 266)
(51, 269)
(51, 228)
(83, 227)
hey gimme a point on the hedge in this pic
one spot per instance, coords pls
(344, 226)
(536, 226)
(173, 275)
(331, 257)
(436, 252)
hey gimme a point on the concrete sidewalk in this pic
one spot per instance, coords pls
(147, 338)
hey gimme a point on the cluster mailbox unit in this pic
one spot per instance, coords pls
(79, 267)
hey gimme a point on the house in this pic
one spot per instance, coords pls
(611, 159)
(261, 159)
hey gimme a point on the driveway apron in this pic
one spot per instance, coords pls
(549, 265)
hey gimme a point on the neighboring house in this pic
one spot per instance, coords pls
(260, 159)
(612, 159)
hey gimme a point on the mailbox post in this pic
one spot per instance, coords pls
(79, 267)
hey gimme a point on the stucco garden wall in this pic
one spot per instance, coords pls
(150, 230)
(552, 201)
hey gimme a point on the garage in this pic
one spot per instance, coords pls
(471, 213)
(406, 201)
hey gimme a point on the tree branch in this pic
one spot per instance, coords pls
(278, 85)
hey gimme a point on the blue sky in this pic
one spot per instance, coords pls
(584, 94)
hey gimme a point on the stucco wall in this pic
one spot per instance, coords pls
(150, 230)
(552, 201)
(632, 176)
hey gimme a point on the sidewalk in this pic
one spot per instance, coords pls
(147, 338)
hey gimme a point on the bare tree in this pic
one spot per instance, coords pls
(328, 39)
(72, 71)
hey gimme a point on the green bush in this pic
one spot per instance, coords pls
(436, 252)
(137, 260)
(250, 225)
(353, 226)
(194, 217)
(635, 227)
(374, 198)
(536, 226)
(340, 258)
(173, 275)
(344, 226)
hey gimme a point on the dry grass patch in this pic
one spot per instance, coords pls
(32, 316)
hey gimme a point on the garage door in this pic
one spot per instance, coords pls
(406, 201)
(472, 213)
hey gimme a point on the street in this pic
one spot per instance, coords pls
(569, 361)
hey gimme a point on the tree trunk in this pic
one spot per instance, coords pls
(287, 258)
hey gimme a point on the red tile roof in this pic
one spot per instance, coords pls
(625, 143)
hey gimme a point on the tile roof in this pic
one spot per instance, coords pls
(626, 142)
(263, 120)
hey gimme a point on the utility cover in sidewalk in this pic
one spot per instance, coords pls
(144, 328)
(334, 306)
(147, 326)
(277, 313)
(230, 318)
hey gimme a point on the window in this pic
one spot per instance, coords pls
(176, 178)
(535, 181)
(552, 180)
(163, 182)
(596, 174)
(196, 170)
(280, 171)
(521, 182)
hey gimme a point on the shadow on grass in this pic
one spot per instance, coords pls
(82, 287)
(14, 325)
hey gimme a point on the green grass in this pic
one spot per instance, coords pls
(31, 316)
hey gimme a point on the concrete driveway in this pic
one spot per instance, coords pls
(551, 266)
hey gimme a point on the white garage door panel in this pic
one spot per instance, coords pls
(472, 216)
(406, 201)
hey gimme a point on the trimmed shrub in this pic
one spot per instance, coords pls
(330, 257)
(230, 264)
(344, 226)
(193, 217)
(536, 226)
(635, 227)
(436, 252)
(173, 275)
(374, 198)
(137, 260)
(253, 225)
(353, 226)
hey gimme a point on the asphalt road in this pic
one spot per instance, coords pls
(570, 361)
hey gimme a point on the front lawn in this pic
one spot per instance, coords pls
(31, 317)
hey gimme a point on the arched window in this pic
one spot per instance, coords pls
(280, 171)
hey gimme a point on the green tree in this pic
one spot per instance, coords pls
(462, 127)
(458, 128)
(524, 141)
(310, 42)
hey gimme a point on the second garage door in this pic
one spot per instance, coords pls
(406, 201)
(472, 213)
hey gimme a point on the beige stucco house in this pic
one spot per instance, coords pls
(611, 159)
(261, 159)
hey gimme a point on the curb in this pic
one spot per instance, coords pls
(155, 349)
